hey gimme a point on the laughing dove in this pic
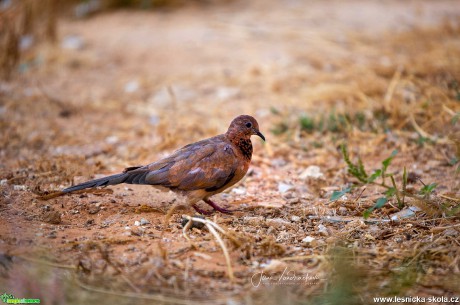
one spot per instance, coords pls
(198, 170)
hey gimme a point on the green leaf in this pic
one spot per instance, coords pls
(380, 202)
(375, 175)
(390, 192)
(338, 194)
(456, 118)
(275, 111)
(306, 123)
(428, 189)
(367, 213)
(387, 161)
(361, 169)
(404, 179)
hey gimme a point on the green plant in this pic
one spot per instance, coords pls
(358, 171)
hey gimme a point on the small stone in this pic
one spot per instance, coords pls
(308, 239)
(275, 265)
(295, 218)
(278, 162)
(368, 236)
(137, 231)
(111, 140)
(239, 190)
(4, 182)
(137, 223)
(405, 213)
(322, 230)
(52, 235)
(132, 86)
(72, 42)
(312, 171)
(278, 223)
(284, 187)
(20, 188)
(144, 222)
(52, 217)
(94, 209)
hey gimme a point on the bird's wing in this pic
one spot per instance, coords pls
(208, 165)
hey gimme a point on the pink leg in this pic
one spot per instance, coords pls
(201, 211)
(217, 208)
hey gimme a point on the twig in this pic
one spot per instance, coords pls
(391, 88)
(450, 198)
(436, 229)
(212, 226)
(335, 219)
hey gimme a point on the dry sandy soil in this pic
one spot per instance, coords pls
(124, 88)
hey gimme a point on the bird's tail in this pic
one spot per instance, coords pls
(132, 175)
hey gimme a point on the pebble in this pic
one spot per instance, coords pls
(405, 213)
(278, 223)
(284, 187)
(308, 239)
(72, 42)
(132, 86)
(144, 222)
(312, 171)
(239, 190)
(322, 230)
(295, 218)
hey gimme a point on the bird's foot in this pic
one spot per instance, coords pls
(217, 208)
(201, 211)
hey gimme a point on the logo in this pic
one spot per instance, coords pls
(10, 299)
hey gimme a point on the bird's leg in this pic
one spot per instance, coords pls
(216, 207)
(201, 211)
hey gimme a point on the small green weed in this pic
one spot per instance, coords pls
(387, 181)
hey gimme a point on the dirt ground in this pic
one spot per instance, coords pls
(124, 88)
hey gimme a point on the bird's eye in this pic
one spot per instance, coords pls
(248, 125)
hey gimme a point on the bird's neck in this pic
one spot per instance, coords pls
(244, 145)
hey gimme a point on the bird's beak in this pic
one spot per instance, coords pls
(260, 134)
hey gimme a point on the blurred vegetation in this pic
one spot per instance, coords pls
(27, 23)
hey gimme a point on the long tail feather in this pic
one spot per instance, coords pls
(110, 180)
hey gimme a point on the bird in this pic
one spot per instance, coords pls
(198, 170)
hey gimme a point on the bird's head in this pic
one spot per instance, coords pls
(246, 126)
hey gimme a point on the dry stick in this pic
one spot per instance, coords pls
(212, 226)
(423, 133)
(450, 198)
(391, 88)
(444, 228)
(423, 250)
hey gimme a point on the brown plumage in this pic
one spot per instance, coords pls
(198, 170)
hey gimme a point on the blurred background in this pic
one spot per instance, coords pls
(91, 87)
